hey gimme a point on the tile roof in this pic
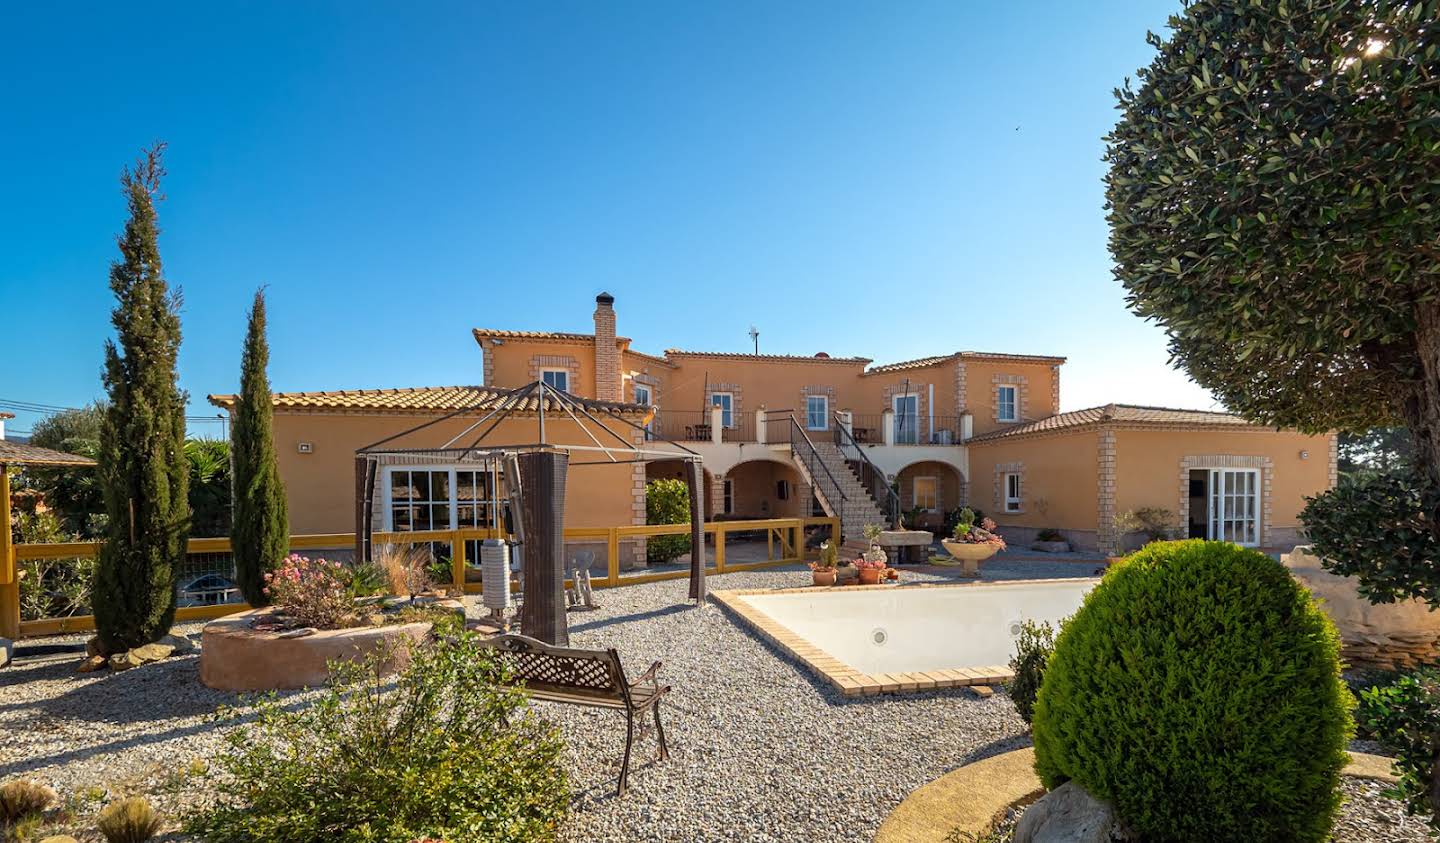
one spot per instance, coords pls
(423, 399)
(922, 362)
(5, 415)
(780, 358)
(18, 453)
(569, 336)
(1129, 414)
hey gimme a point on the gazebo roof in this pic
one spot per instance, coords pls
(16, 453)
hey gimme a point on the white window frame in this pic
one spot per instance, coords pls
(727, 409)
(1236, 511)
(552, 370)
(1013, 502)
(1014, 390)
(649, 394)
(906, 435)
(452, 503)
(783, 490)
(727, 497)
(824, 412)
(934, 492)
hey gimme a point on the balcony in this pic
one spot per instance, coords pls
(887, 428)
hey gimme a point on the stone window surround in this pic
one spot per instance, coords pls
(922, 404)
(1265, 465)
(1002, 469)
(828, 393)
(540, 362)
(1022, 396)
(737, 401)
(645, 379)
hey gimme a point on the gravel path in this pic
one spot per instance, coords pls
(759, 750)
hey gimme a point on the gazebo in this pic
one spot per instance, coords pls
(19, 454)
(535, 479)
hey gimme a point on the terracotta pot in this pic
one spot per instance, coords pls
(846, 575)
(871, 576)
(823, 576)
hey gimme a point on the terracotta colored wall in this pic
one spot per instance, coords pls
(632, 365)
(320, 485)
(512, 363)
(775, 384)
(1060, 484)
(980, 391)
(1147, 467)
(873, 400)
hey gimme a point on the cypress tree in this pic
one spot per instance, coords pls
(142, 467)
(260, 535)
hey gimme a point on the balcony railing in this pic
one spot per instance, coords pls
(866, 428)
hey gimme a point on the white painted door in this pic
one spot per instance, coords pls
(1235, 505)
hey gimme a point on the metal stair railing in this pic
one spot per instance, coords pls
(871, 476)
(804, 449)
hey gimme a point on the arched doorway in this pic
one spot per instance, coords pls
(928, 491)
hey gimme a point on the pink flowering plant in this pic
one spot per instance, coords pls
(312, 592)
(871, 564)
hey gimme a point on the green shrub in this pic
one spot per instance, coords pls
(439, 751)
(128, 821)
(1032, 654)
(1405, 716)
(1198, 689)
(666, 502)
(21, 798)
(1374, 527)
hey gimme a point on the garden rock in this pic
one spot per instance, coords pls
(1389, 636)
(1068, 814)
(7, 651)
(1051, 547)
(93, 648)
(180, 644)
(147, 653)
(91, 664)
(125, 660)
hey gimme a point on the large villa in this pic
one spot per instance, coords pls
(789, 436)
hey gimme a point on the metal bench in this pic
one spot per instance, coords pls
(584, 677)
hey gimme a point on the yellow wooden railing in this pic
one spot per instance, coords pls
(784, 544)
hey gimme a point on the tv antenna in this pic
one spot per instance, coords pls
(755, 338)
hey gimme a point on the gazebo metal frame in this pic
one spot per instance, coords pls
(505, 404)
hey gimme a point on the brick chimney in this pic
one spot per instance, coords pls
(607, 355)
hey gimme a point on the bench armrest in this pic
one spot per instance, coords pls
(650, 675)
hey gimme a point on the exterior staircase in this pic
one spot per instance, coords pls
(841, 493)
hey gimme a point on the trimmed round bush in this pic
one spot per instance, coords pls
(1198, 689)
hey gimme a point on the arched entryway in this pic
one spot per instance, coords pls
(764, 489)
(934, 489)
(675, 470)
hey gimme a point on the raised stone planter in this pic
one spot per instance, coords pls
(234, 656)
(906, 545)
(1396, 635)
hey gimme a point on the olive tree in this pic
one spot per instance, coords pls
(1274, 203)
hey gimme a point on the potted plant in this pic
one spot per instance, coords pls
(871, 570)
(972, 544)
(823, 570)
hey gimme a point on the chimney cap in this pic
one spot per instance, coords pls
(604, 298)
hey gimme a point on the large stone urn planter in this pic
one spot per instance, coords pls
(1391, 636)
(968, 555)
(235, 656)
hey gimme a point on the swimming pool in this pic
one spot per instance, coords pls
(874, 639)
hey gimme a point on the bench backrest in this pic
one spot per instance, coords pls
(538, 666)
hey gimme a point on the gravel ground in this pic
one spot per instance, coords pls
(760, 751)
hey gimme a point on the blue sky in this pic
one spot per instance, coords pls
(887, 180)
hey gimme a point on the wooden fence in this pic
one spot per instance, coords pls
(784, 544)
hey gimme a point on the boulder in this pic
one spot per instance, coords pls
(1389, 636)
(1068, 814)
(147, 653)
(125, 660)
(93, 648)
(180, 644)
(92, 664)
